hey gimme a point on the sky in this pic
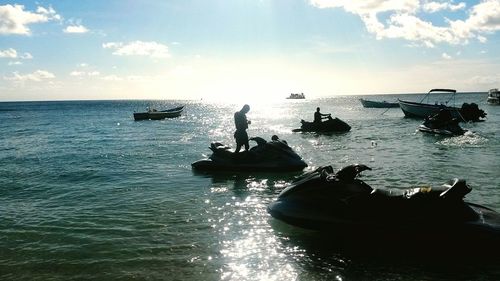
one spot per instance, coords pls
(245, 49)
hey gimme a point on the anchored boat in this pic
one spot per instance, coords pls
(494, 96)
(378, 104)
(153, 114)
(468, 112)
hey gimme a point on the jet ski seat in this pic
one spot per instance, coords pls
(455, 189)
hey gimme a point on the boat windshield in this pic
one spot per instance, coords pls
(439, 96)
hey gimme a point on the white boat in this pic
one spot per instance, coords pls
(494, 96)
(468, 112)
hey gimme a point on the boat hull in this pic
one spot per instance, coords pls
(159, 115)
(422, 110)
(494, 101)
(378, 104)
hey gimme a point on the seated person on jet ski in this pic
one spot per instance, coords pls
(275, 138)
(276, 141)
(241, 122)
(318, 116)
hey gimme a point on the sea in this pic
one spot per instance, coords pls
(87, 193)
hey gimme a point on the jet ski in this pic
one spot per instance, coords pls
(330, 125)
(274, 155)
(348, 209)
(442, 123)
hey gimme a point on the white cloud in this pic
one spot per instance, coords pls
(75, 29)
(15, 20)
(482, 39)
(78, 73)
(15, 63)
(9, 53)
(37, 76)
(112, 78)
(446, 56)
(12, 54)
(50, 13)
(26, 56)
(112, 45)
(485, 16)
(369, 6)
(432, 7)
(132, 78)
(138, 48)
(84, 70)
(404, 19)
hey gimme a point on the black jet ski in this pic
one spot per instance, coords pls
(330, 125)
(442, 123)
(349, 209)
(274, 155)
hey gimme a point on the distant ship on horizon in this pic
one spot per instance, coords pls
(296, 96)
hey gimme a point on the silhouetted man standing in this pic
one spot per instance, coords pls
(241, 122)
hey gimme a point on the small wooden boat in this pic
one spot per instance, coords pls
(468, 112)
(494, 96)
(378, 104)
(153, 114)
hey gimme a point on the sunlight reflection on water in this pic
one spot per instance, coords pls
(248, 247)
(81, 195)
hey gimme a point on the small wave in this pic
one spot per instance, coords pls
(469, 139)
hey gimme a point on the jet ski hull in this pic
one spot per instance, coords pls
(210, 165)
(444, 132)
(330, 125)
(273, 156)
(437, 239)
(315, 217)
(349, 211)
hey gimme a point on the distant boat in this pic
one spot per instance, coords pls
(153, 114)
(296, 96)
(494, 96)
(378, 104)
(468, 112)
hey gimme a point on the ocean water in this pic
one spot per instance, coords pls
(87, 193)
